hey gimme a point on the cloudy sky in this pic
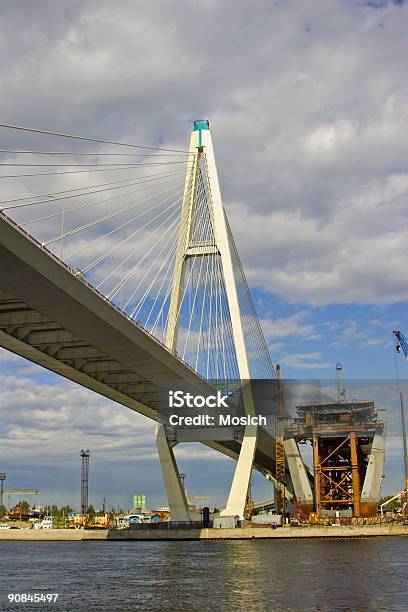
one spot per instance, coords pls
(308, 106)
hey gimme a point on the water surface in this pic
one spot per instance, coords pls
(357, 575)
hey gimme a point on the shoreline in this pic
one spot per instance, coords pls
(208, 534)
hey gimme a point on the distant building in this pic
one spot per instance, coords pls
(139, 503)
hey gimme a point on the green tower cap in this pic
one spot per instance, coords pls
(201, 124)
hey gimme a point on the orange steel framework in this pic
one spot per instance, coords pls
(341, 435)
(280, 466)
(337, 473)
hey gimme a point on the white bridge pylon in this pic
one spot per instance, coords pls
(201, 174)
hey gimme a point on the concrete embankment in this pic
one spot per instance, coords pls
(247, 533)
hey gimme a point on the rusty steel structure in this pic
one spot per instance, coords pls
(348, 452)
(280, 462)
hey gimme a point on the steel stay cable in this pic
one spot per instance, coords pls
(212, 360)
(208, 227)
(100, 140)
(256, 326)
(219, 282)
(211, 344)
(128, 274)
(223, 327)
(147, 272)
(235, 373)
(122, 283)
(213, 339)
(140, 304)
(216, 324)
(204, 299)
(116, 229)
(87, 205)
(169, 261)
(122, 242)
(210, 340)
(169, 289)
(203, 311)
(82, 153)
(54, 193)
(101, 219)
(194, 236)
(212, 259)
(228, 343)
(102, 166)
(21, 175)
(51, 198)
(181, 235)
(192, 264)
(112, 232)
(207, 231)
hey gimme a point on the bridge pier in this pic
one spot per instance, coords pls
(176, 496)
(239, 489)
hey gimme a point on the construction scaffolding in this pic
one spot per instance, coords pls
(347, 442)
(280, 462)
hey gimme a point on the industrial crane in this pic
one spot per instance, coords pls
(9, 492)
(401, 344)
(279, 449)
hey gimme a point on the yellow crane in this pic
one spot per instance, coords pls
(20, 492)
(279, 449)
(13, 491)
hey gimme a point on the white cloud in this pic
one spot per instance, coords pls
(350, 332)
(306, 361)
(275, 347)
(373, 342)
(326, 137)
(308, 105)
(292, 325)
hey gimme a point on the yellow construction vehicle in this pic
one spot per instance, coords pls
(105, 521)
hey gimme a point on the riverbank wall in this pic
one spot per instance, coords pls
(247, 533)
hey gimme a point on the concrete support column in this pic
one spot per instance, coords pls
(317, 473)
(301, 484)
(370, 495)
(242, 476)
(176, 495)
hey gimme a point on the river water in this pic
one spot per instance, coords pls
(325, 575)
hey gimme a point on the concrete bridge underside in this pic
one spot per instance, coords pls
(53, 317)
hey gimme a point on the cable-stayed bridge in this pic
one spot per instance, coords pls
(119, 271)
